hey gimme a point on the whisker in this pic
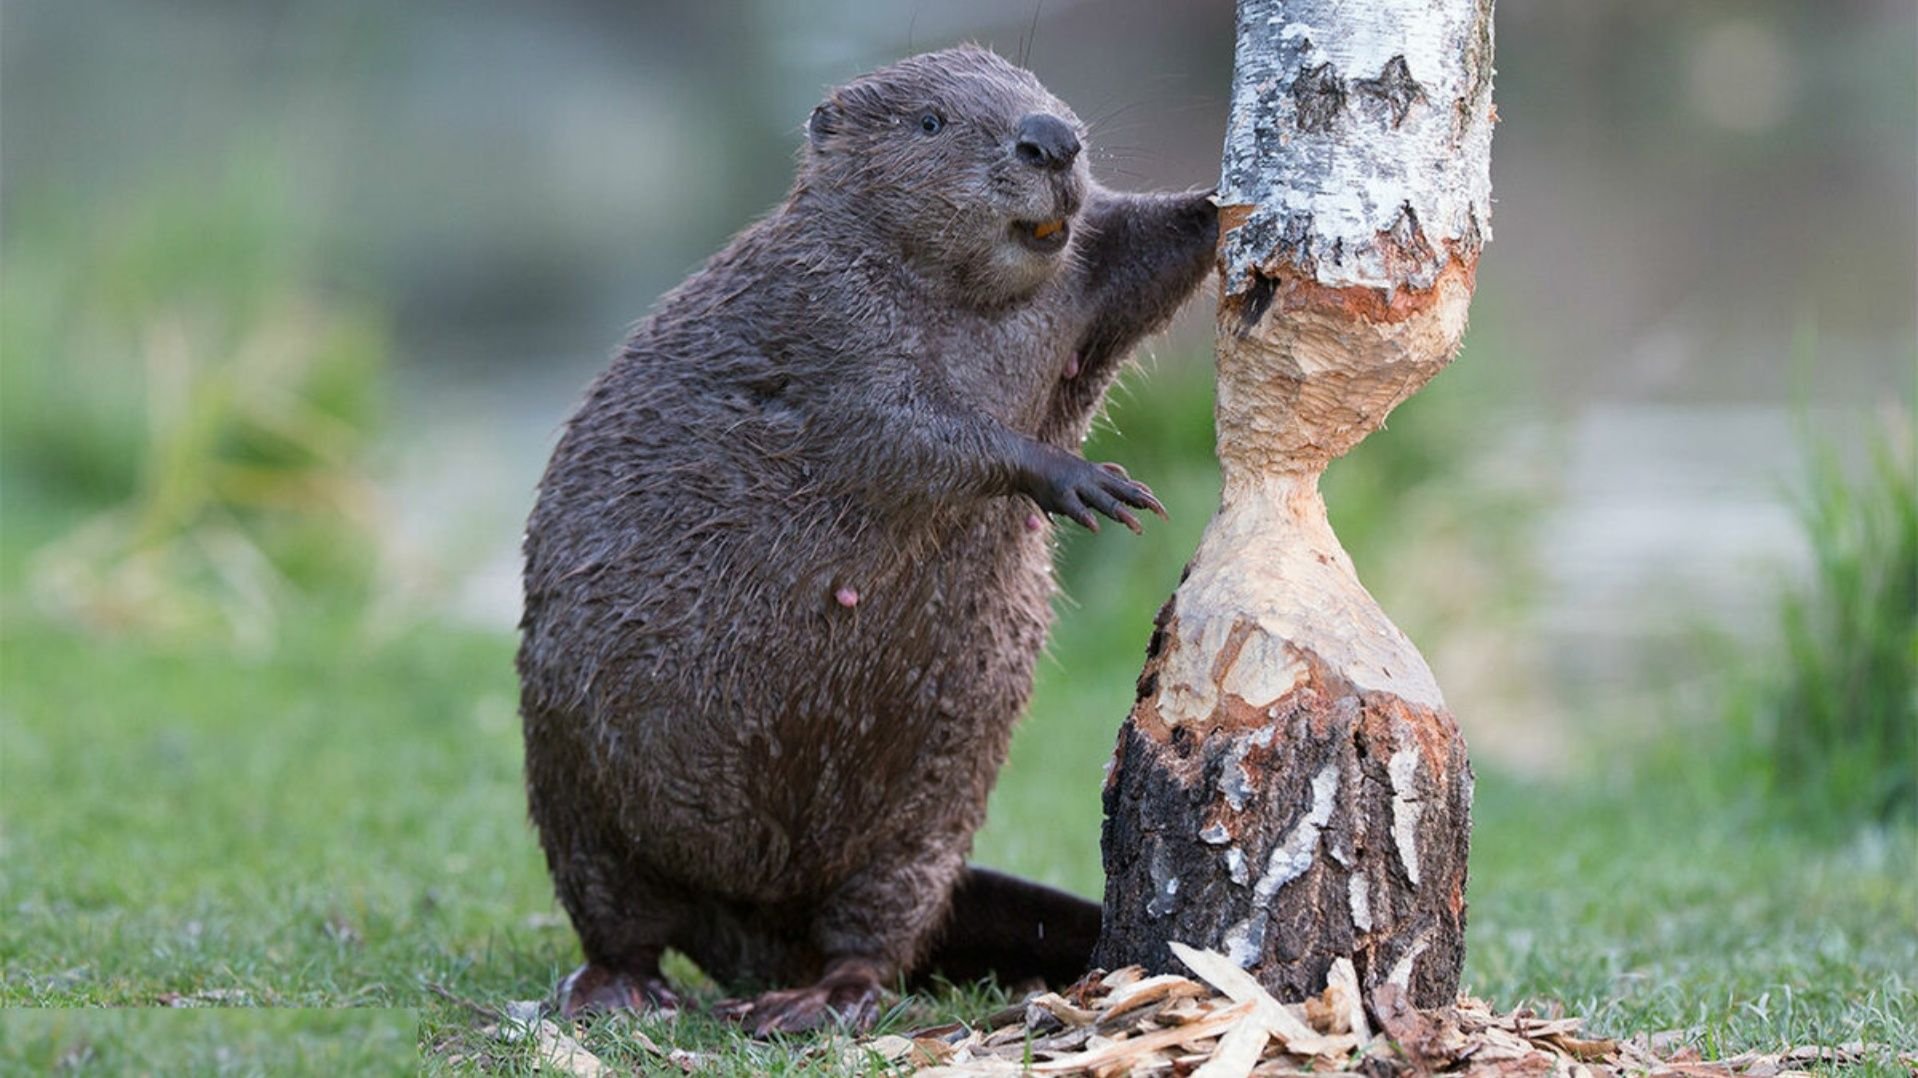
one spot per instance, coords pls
(1032, 35)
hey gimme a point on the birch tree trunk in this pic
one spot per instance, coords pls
(1289, 787)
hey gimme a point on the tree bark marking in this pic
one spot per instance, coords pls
(1403, 770)
(1291, 857)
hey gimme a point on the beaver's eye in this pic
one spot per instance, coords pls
(931, 123)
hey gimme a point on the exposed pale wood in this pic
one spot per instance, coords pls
(1212, 1026)
(1238, 1052)
(1240, 987)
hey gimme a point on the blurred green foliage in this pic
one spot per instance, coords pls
(179, 385)
(1811, 726)
(1833, 718)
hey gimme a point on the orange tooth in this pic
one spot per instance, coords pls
(1041, 231)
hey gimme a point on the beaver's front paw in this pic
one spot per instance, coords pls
(1074, 487)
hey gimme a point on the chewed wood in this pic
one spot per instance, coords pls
(1334, 829)
(1290, 789)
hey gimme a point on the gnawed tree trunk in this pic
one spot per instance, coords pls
(1290, 787)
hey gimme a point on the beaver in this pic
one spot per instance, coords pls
(785, 583)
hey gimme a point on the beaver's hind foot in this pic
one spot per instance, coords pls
(593, 989)
(848, 995)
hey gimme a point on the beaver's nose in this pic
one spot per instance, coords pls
(1045, 141)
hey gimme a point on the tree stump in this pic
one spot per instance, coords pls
(1289, 787)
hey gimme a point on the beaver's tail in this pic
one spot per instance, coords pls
(1014, 930)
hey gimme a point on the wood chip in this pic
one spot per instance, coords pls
(558, 1051)
(1225, 975)
(1134, 1047)
(1148, 991)
(1226, 1025)
(1059, 1007)
(891, 1048)
(1014, 1034)
(1343, 995)
(1123, 976)
(1072, 1040)
(1238, 1052)
(1582, 1050)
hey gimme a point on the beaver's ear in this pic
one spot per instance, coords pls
(823, 123)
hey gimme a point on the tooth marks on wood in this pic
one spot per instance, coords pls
(1349, 247)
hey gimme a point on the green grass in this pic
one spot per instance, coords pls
(1840, 718)
(1640, 910)
(221, 1042)
(342, 826)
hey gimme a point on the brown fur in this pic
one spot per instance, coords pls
(785, 582)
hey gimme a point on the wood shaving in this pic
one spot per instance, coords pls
(1225, 1025)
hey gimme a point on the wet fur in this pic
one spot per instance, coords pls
(721, 755)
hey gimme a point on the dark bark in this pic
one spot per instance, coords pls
(1334, 823)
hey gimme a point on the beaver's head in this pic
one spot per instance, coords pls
(961, 160)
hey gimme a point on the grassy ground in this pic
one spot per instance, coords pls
(319, 1042)
(341, 826)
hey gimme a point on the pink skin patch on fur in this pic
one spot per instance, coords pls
(1072, 364)
(846, 597)
(1033, 522)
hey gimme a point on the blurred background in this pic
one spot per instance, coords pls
(298, 293)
